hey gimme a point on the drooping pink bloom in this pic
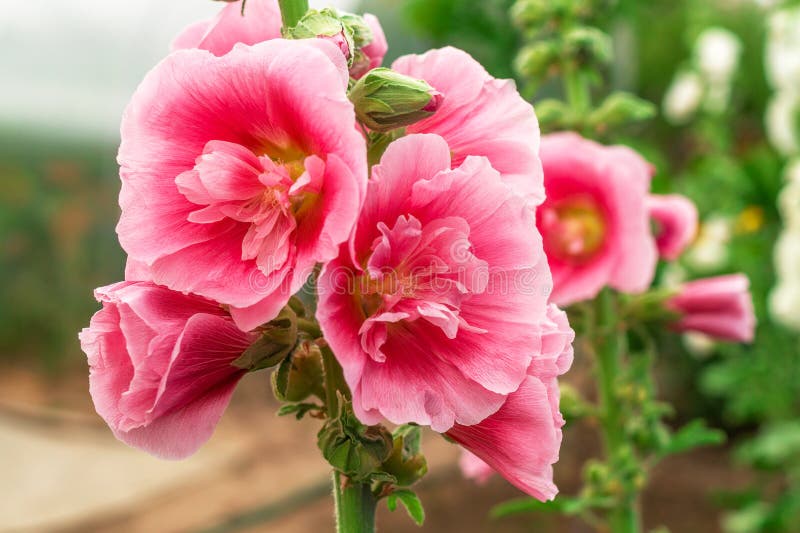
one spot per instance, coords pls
(261, 22)
(375, 51)
(676, 220)
(240, 173)
(480, 115)
(160, 366)
(720, 307)
(521, 441)
(430, 311)
(595, 223)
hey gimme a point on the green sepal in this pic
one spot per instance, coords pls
(299, 410)
(385, 99)
(351, 447)
(406, 464)
(621, 108)
(323, 23)
(278, 338)
(300, 375)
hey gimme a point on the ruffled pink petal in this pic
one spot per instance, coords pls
(520, 441)
(480, 115)
(160, 366)
(194, 119)
(676, 220)
(452, 358)
(260, 22)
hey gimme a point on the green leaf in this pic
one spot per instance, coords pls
(693, 435)
(561, 505)
(410, 501)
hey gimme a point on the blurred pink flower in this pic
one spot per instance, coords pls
(474, 468)
(595, 223)
(480, 115)
(433, 311)
(262, 22)
(240, 173)
(521, 441)
(160, 366)
(676, 220)
(720, 307)
(376, 50)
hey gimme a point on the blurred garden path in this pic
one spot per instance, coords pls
(63, 472)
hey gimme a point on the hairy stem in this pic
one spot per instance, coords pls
(355, 506)
(292, 11)
(624, 517)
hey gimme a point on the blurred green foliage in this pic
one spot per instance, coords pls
(58, 209)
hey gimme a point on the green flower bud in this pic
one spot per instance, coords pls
(351, 447)
(620, 108)
(536, 60)
(325, 24)
(278, 339)
(385, 100)
(300, 375)
(532, 13)
(588, 45)
(406, 464)
(362, 33)
(553, 114)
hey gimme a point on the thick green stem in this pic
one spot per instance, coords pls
(355, 503)
(624, 517)
(576, 90)
(292, 11)
(355, 506)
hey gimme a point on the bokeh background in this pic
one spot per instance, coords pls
(67, 69)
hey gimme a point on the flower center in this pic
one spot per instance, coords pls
(418, 272)
(267, 194)
(574, 230)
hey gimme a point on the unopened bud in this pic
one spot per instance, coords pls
(620, 108)
(327, 25)
(385, 100)
(587, 46)
(536, 60)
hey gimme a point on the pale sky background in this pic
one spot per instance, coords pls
(68, 67)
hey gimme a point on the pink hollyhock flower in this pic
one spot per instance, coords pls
(480, 115)
(261, 22)
(375, 51)
(720, 307)
(160, 366)
(431, 310)
(676, 218)
(521, 441)
(595, 222)
(240, 173)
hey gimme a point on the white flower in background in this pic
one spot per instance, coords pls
(784, 304)
(789, 206)
(783, 48)
(792, 172)
(674, 275)
(717, 53)
(783, 121)
(787, 256)
(698, 344)
(683, 97)
(710, 249)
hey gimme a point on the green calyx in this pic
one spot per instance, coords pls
(385, 100)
